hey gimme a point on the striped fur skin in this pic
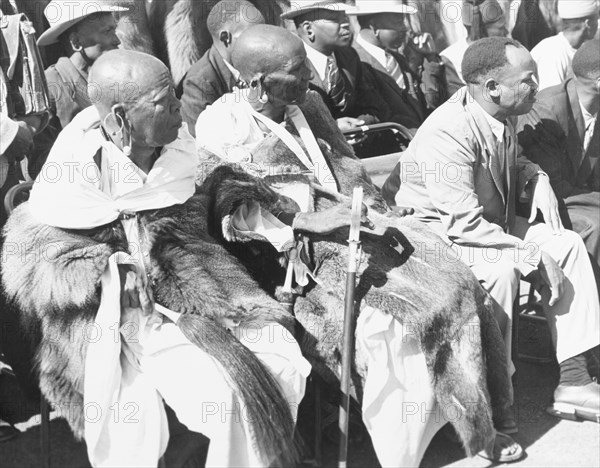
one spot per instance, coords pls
(400, 273)
(50, 281)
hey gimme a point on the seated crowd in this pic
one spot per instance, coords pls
(212, 228)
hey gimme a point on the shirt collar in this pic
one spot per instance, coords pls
(236, 74)
(377, 53)
(587, 117)
(496, 126)
(318, 59)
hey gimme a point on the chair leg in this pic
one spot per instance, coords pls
(531, 312)
(45, 432)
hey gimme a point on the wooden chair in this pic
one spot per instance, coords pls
(378, 166)
(529, 314)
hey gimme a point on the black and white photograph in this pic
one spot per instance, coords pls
(299, 233)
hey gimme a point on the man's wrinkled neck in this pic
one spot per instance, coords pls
(275, 112)
(80, 63)
(575, 38)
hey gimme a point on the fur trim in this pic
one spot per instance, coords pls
(58, 294)
(133, 29)
(400, 274)
(186, 35)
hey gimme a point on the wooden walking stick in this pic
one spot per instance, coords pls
(348, 337)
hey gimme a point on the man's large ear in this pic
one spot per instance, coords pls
(75, 41)
(225, 37)
(257, 81)
(492, 88)
(591, 26)
(307, 29)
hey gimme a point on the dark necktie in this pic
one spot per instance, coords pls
(335, 83)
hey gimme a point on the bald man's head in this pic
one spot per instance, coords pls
(134, 94)
(125, 77)
(264, 49)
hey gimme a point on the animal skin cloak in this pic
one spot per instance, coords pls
(51, 282)
(401, 274)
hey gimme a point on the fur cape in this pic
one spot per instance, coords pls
(403, 272)
(51, 282)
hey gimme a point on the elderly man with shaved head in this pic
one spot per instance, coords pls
(125, 255)
(419, 314)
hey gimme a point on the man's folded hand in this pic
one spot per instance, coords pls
(545, 200)
(324, 222)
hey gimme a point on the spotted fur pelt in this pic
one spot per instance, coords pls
(51, 279)
(400, 274)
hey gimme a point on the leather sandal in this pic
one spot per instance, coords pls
(503, 450)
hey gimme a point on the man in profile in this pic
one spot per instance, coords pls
(462, 175)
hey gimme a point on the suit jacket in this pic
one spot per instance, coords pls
(404, 108)
(205, 82)
(459, 182)
(361, 99)
(552, 135)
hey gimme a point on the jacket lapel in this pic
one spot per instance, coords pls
(368, 58)
(575, 142)
(488, 143)
(316, 79)
(346, 73)
(228, 81)
(511, 173)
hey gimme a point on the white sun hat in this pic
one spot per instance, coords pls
(299, 7)
(575, 9)
(63, 14)
(374, 7)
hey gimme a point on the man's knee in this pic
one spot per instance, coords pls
(572, 241)
(586, 226)
(501, 273)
